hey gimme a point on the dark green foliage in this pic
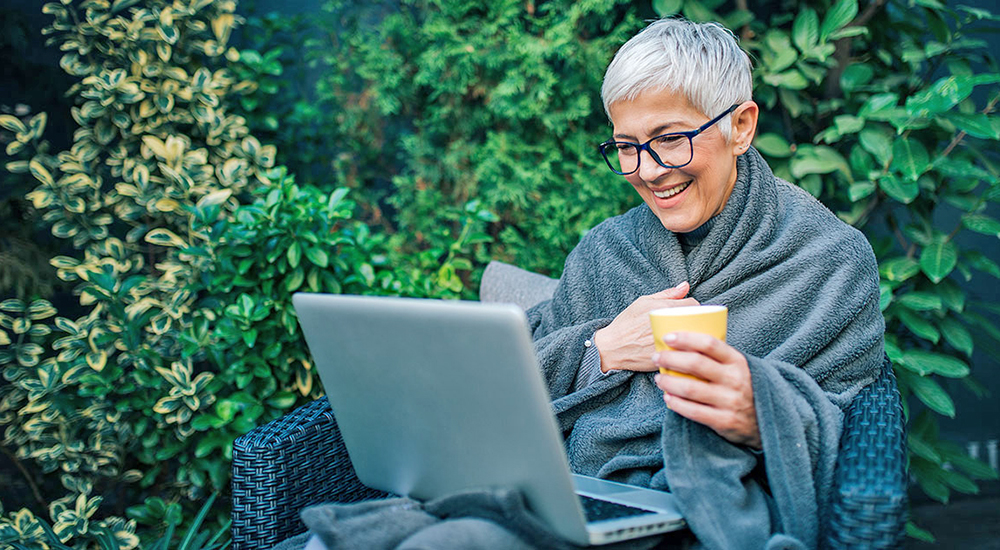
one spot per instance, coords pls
(429, 106)
(184, 244)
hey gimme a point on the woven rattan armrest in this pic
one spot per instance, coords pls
(284, 466)
(870, 499)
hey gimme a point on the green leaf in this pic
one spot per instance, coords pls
(805, 29)
(921, 301)
(120, 5)
(952, 295)
(12, 305)
(13, 124)
(899, 190)
(282, 400)
(977, 469)
(981, 223)
(215, 198)
(336, 198)
(933, 395)
(791, 79)
(295, 280)
(980, 261)
(940, 97)
(976, 124)
(667, 7)
(294, 254)
(899, 269)
(818, 160)
(860, 190)
(41, 173)
(959, 482)
(938, 260)
(910, 157)
(957, 335)
(922, 448)
(919, 326)
(936, 363)
(36, 126)
(917, 533)
(839, 15)
(848, 32)
(250, 337)
(884, 295)
(848, 124)
(17, 166)
(856, 75)
(318, 256)
(878, 143)
(165, 237)
(773, 145)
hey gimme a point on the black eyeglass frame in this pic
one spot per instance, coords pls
(640, 147)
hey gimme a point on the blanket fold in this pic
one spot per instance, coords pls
(485, 519)
(802, 292)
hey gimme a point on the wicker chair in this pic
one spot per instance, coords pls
(299, 459)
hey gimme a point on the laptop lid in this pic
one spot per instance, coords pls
(434, 397)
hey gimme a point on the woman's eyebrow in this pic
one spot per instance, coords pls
(661, 129)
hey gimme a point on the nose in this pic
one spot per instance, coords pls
(649, 169)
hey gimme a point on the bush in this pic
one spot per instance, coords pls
(187, 243)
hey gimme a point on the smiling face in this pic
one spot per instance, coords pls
(683, 198)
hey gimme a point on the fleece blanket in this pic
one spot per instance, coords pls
(801, 287)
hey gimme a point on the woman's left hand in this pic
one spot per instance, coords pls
(722, 395)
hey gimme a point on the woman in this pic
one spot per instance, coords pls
(749, 446)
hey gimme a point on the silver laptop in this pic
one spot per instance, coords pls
(434, 397)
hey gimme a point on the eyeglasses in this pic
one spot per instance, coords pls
(673, 150)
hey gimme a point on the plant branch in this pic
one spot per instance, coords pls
(869, 208)
(891, 220)
(27, 477)
(842, 53)
(745, 32)
(862, 18)
(961, 135)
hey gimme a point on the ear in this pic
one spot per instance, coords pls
(744, 125)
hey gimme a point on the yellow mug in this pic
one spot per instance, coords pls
(706, 319)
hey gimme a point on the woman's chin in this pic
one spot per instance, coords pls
(674, 214)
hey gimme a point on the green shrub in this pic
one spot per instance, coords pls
(885, 110)
(187, 245)
(440, 104)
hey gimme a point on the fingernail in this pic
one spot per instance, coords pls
(667, 397)
(656, 378)
(682, 283)
(671, 337)
(656, 357)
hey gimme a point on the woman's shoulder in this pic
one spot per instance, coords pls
(814, 223)
(804, 213)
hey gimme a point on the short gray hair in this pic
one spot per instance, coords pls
(702, 61)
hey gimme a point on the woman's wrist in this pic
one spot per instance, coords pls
(602, 345)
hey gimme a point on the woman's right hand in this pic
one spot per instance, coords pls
(627, 343)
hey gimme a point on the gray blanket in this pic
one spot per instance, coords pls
(802, 291)
(487, 519)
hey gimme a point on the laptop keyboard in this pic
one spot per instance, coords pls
(602, 510)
